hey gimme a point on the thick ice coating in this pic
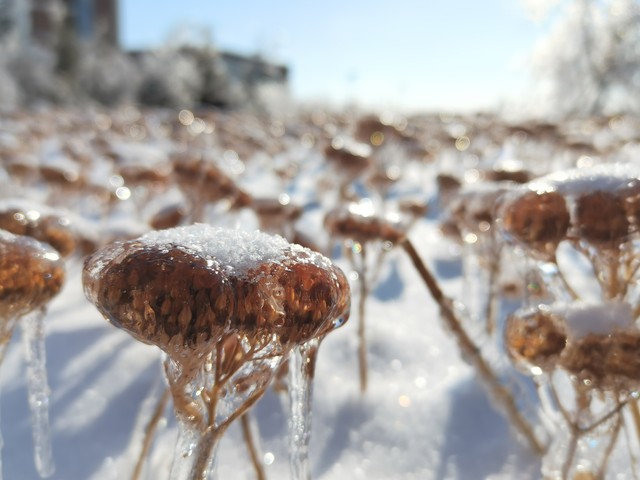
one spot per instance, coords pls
(538, 220)
(31, 273)
(598, 205)
(23, 217)
(582, 319)
(610, 177)
(599, 344)
(534, 338)
(343, 223)
(186, 287)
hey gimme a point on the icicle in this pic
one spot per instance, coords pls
(6, 332)
(33, 337)
(301, 367)
(198, 434)
(184, 457)
(1, 447)
(149, 418)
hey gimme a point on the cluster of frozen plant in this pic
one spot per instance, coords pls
(453, 231)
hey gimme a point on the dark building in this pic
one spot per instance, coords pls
(254, 69)
(88, 19)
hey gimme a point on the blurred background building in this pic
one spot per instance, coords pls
(79, 43)
(42, 20)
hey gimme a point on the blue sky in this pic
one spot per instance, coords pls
(423, 54)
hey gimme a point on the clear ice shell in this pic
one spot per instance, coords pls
(301, 366)
(33, 338)
(605, 177)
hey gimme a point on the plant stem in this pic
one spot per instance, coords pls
(149, 432)
(472, 352)
(251, 446)
(362, 339)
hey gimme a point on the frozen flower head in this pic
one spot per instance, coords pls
(203, 180)
(39, 222)
(537, 220)
(184, 289)
(348, 159)
(361, 226)
(596, 205)
(601, 218)
(631, 200)
(473, 208)
(534, 339)
(597, 344)
(606, 361)
(31, 274)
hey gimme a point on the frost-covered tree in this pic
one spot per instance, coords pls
(106, 74)
(7, 23)
(170, 78)
(590, 61)
(33, 68)
(217, 86)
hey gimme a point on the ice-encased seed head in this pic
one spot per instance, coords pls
(295, 299)
(161, 295)
(609, 361)
(185, 289)
(343, 223)
(31, 274)
(45, 227)
(601, 218)
(631, 201)
(538, 220)
(534, 339)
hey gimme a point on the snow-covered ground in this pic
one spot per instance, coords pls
(425, 414)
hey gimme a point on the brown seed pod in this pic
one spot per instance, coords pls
(343, 223)
(601, 218)
(145, 175)
(413, 207)
(275, 214)
(31, 274)
(370, 129)
(203, 179)
(168, 217)
(303, 296)
(474, 209)
(349, 162)
(609, 361)
(538, 220)
(162, 296)
(534, 339)
(48, 228)
(188, 288)
(507, 175)
(631, 201)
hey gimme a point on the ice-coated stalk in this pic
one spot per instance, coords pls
(1, 447)
(301, 368)
(479, 288)
(470, 350)
(185, 453)
(195, 451)
(7, 330)
(556, 282)
(362, 338)
(33, 337)
(197, 439)
(159, 406)
(252, 447)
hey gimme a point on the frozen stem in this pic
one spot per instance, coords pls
(362, 339)
(149, 432)
(471, 351)
(33, 337)
(245, 423)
